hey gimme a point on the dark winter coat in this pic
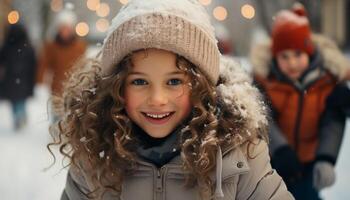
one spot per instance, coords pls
(17, 65)
(302, 109)
(333, 121)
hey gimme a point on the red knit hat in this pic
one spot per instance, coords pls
(291, 30)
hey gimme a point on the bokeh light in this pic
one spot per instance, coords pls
(82, 29)
(123, 1)
(93, 4)
(102, 25)
(248, 11)
(103, 10)
(205, 2)
(220, 13)
(13, 17)
(69, 6)
(56, 5)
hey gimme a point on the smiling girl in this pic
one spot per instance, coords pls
(163, 116)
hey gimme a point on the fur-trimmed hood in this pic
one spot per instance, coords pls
(237, 90)
(241, 97)
(333, 59)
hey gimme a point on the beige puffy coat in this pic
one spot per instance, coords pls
(238, 175)
(242, 179)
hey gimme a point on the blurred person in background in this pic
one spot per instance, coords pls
(17, 65)
(300, 73)
(58, 56)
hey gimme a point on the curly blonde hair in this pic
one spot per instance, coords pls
(96, 134)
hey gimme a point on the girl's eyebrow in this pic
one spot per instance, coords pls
(175, 73)
(170, 73)
(137, 73)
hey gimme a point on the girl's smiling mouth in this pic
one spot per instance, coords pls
(158, 118)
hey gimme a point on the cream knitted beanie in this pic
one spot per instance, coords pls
(180, 26)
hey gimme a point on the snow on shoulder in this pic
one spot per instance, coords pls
(238, 91)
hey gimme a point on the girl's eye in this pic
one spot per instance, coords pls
(139, 82)
(174, 82)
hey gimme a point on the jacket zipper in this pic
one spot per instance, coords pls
(300, 110)
(159, 183)
(159, 187)
(158, 178)
(298, 121)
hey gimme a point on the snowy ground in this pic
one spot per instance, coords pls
(24, 157)
(340, 190)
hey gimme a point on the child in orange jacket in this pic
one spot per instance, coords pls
(298, 71)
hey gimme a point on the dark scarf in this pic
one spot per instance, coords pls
(158, 151)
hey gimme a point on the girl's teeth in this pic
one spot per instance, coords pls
(158, 116)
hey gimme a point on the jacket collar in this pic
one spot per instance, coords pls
(234, 162)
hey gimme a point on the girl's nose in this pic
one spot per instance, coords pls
(158, 97)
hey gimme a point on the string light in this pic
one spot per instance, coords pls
(220, 13)
(102, 25)
(69, 5)
(56, 5)
(13, 17)
(205, 2)
(93, 4)
(82, 29)
(123, 1)
(103, 10)
(248, 11)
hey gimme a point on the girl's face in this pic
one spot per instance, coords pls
(292, 63)
(157, 93)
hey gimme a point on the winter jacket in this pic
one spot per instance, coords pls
(333, 121)
(58, 58)
(17, 65)
(298, 107)
(240, 173)
(241, 177)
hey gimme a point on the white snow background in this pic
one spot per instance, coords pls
(24, 155)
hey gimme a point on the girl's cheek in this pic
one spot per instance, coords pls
(135, 97)
(131, 91)
(186, 103)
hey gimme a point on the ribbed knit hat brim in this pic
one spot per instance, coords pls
(162, 31)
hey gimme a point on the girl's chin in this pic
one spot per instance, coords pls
(159, 135)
